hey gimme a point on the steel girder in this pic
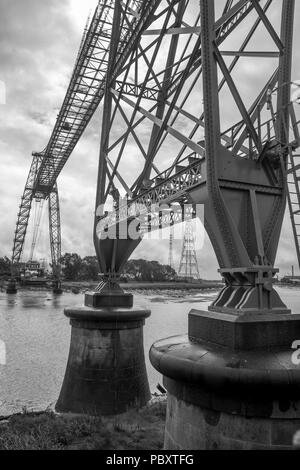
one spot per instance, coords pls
(244, 226)
(55, 232)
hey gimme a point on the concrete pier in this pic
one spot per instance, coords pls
(106, 372)
(231, 382)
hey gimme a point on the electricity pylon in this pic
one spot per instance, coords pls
(188, 267)
(171, 258)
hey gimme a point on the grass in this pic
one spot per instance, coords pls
(135, 430)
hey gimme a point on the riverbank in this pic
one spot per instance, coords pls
(78, 287)
(135, 430)
(83, 286)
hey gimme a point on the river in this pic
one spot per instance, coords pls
(37, 336)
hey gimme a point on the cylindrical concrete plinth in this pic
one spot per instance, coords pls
(190, 426)
(221, 398)
(106, 372)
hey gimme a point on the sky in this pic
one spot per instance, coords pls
(39, 41)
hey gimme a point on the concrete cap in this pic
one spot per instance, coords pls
(107, 314)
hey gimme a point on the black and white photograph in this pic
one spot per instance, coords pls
(150, 228)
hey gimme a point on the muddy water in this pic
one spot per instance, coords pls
(37, 335)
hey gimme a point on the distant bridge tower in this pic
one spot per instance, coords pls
(171, 259)
(188, 267)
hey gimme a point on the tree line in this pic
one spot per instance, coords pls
(76, 268)
(4, 266)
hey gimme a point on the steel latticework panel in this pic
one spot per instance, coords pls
(24, 212)
(55, 231)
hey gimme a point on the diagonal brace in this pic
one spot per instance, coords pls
(237, 98)
(268, 25)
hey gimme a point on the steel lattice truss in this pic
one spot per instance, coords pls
(145, 59)
(55, 233)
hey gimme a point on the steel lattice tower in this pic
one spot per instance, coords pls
(188, 267)
(170, 258)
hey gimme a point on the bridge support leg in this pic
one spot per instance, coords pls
(11, 287)
(106, 372)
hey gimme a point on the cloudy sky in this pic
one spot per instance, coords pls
(39, 41)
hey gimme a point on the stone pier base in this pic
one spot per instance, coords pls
(190, 426)
(241, 394)
(106, 372)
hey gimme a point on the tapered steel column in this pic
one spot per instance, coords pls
(231, 381)
(106, 372)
